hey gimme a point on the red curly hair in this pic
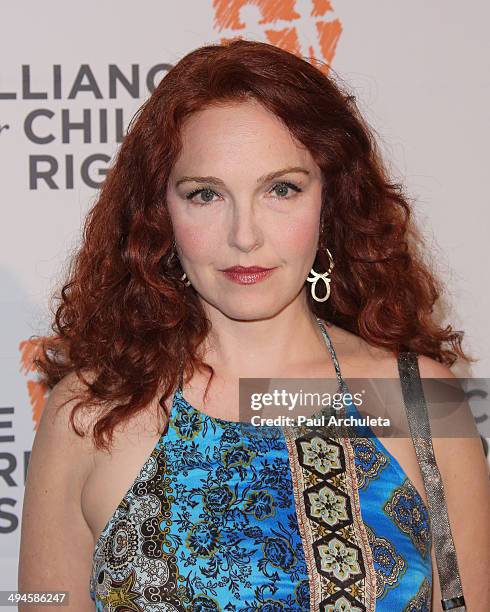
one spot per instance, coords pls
(126, 317)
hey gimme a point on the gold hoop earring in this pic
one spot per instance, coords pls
(316, 276)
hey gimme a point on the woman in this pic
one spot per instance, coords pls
(244, 156)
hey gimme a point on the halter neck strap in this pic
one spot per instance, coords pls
(331, 350)
(181, 374)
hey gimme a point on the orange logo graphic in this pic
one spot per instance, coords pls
(37, 392)
(297, 26)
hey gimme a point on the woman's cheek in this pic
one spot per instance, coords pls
(298, 237)
(197, 243)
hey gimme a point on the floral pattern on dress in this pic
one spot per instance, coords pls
(388, 564)
(369, 461)
(410, 515)
(234, 509)
(337, 551)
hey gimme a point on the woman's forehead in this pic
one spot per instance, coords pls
(238, 137)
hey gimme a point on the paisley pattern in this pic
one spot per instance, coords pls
(369, 461)
(406, 509)
(226, 516)
(388, 564)
(135, 554)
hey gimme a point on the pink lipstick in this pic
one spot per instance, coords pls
(247, 275)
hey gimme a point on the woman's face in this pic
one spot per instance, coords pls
(228, 210)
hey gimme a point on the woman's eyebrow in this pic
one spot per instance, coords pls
(263, 179)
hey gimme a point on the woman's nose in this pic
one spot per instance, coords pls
(245, 232)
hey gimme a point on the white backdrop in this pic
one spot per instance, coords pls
(419, 71)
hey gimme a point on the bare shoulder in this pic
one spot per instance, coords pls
(56, 432)
(364, 359)
(55, 419)
(360, 359)
(51, 516)
(431, 368)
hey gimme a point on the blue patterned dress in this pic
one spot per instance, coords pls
(227, 516)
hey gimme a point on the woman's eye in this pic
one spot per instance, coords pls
(282, 189)
(206, 194)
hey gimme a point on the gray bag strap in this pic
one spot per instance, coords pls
(445, 553)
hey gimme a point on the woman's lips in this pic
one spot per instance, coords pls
(248, 277)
